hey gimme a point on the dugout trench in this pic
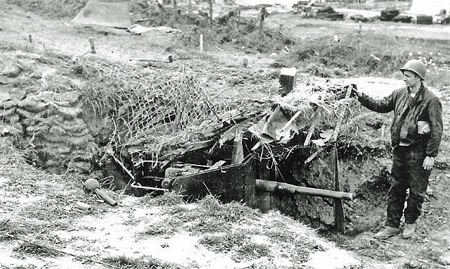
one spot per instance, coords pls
(143, 127)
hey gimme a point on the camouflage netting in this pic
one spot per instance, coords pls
(69, 117)
(158, 115)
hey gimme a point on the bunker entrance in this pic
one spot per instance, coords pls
(257, 182)
(268, 154)
(296, 180)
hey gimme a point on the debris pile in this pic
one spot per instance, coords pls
(311, 9)
(291, 141)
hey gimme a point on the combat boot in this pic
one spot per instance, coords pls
(409, 230)
(387, 232)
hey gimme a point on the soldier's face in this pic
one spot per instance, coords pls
(410, 78)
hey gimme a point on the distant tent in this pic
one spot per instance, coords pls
(429, 7)
(103, 13)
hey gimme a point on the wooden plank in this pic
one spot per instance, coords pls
(316, 118)
(235, 182)
(339, 218)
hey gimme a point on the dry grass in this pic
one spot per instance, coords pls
(238, 244)
(209, 216)
(229, 229)
(167, 199)
(358, 53)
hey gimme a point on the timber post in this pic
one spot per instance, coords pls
(287, 80)
(91, 42)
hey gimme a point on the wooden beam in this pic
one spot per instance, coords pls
(272, 186)
(339, 218)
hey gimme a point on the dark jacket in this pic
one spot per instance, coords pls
(425, 106)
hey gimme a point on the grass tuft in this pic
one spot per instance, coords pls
(238, 244)
(230, 212)
(124, 262)
(35, 249)
(166, 199)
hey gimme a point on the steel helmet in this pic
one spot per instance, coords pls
(415, 66)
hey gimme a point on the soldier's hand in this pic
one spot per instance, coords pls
(428, 163)
(355, 91)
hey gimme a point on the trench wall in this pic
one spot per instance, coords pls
(367, 179)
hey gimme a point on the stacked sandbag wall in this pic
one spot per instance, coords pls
(43, 112)
(54, 132)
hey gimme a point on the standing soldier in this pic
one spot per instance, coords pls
(416, 133)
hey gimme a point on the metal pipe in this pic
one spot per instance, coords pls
(133, 185)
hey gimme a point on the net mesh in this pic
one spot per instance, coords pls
(163, 115)
(158, 115)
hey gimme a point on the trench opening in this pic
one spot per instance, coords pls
(139, 174)
(67, 119)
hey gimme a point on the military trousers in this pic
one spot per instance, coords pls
(407, 174)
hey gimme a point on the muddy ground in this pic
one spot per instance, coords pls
(106, 225)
